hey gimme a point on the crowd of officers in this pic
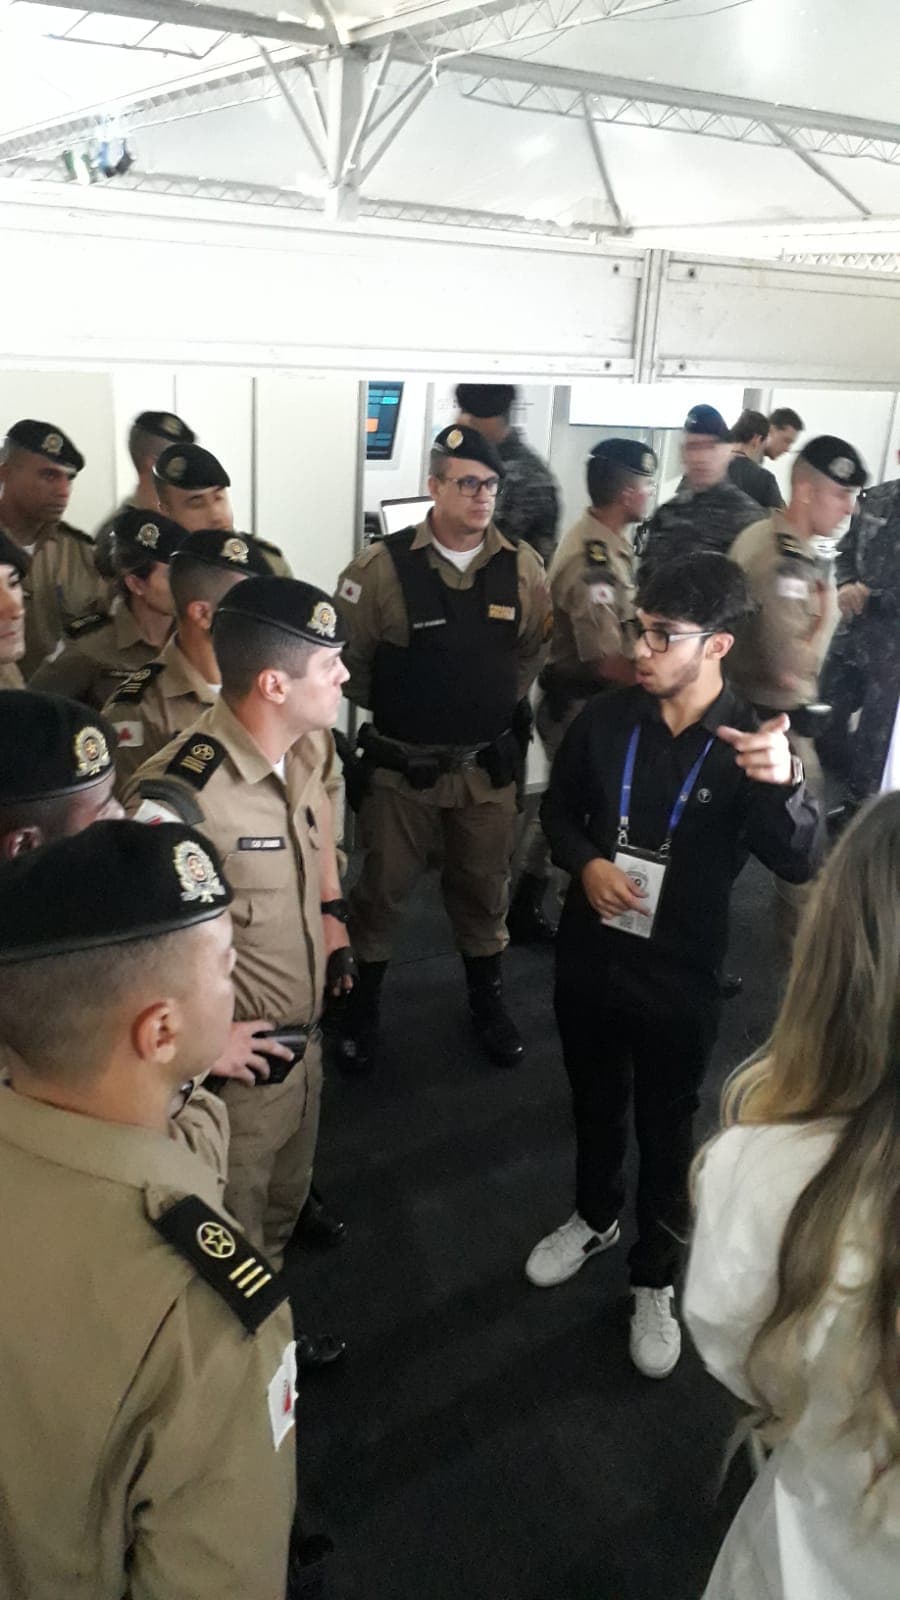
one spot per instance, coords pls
(163, 1060)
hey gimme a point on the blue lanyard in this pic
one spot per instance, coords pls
(684, 795)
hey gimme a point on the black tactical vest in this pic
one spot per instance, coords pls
(457, 680)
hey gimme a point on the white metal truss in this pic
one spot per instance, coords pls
(860, 260)
(447, 26)
(221, 19)
(177, 186)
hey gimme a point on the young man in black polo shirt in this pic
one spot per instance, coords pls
(657, 796)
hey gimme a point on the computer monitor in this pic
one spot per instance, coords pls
(382, 416)
(399, 514)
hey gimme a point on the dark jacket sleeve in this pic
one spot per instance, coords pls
(783, 827)
(564, 815)
(845, 567)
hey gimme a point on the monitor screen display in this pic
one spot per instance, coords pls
(382, 416)
(399, 514)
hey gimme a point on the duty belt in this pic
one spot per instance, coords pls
(422, 765)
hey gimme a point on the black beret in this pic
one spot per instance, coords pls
(628, 453)
(467, 444)
(837, 459)
(298, 608)
(234, 552)
(12, 554)
(139, 536)
(165, 425)
(707, 420)
(44, 439)
(109, 884)
(50, 746)
(189, 466)
(486, 399)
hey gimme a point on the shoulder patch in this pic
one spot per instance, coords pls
(89, 623)
(197, 759)
(136, 684)
(219, 1252)
(174, 796)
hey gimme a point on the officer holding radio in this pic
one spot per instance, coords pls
(657, 796)
(244, 776)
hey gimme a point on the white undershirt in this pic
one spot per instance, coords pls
(461, 559)
(279, 767)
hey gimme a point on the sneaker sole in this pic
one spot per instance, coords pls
(665, 1372)
(551, 1283)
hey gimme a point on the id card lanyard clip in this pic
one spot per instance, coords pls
(678, 809)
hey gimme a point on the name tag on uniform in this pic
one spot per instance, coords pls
(793, 589)
(502, 613)
(260, 844)
(648, 873)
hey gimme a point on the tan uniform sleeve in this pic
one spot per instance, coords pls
(537, 616)
(72, 673)
(202, 1125)
(138, 738)
(358, 599)
(212, 1486)
(593, 602)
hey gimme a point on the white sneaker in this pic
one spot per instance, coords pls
(655, 1339)
(565, 1250)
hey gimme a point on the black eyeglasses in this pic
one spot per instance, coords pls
(469, 486)
(659, 639)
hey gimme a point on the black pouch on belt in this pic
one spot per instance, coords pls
(295, 1040)
(501, 760)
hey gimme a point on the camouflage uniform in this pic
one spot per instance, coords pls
(528, 507)
(711, 519)
(863, 667)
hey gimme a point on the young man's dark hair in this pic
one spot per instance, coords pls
(750, 425)
(606, 479)
(706, 589)
(245, 647)
(785, 417)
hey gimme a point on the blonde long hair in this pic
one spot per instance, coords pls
(835, 1053)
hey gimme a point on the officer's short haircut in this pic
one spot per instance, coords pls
(198, 580)
(245, 648)
(749, 425)
(784, 417)
(606, 480)
(704, 589)
(60, 1014)
(144, 446)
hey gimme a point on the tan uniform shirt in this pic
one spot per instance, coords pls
(268, 835)
(592, 587)
(778, 655)
(154, 705)
(146, 1448)
(101, 652)
(60, 585)
(371, 604)
(11, 677)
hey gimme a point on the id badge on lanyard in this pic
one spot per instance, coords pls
(646, 869)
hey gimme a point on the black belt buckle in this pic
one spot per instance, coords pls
(295, 1040)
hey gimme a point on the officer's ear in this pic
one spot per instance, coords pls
(155, 1032)
(718, 645)
(18, 841)
(200, 613)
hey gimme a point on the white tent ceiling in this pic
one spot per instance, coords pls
(747, 125)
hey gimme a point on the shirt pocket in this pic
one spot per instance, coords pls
(263, 882)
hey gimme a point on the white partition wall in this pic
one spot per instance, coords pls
(81, 403)
(219, 408)
(308, 470)
(136, 389)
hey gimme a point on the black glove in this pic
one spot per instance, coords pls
(341, 965)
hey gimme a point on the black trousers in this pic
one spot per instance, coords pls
(613, 1056)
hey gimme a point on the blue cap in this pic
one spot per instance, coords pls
(709, 421)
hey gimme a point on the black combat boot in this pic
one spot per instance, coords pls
(357, 1041)
(526, 921)
(494, 1026)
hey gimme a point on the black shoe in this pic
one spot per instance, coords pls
(314, 1353)
(316, 1228)
(356, 1042)
(730, 985)
(496, 1031)
(526, 921)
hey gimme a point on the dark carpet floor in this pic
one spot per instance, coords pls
(485, 1440)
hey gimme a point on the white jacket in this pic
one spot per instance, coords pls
(800, 1533)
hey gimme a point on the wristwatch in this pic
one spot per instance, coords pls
(334, 908)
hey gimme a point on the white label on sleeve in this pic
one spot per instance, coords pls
(350, 591)
(151, 811)
(602, 594)
(793, 589)
(282, 1394)
(131, 733)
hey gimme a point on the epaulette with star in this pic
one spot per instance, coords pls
(790, 545)
(136, 684)
(224, 1258)
(196, 760)
(79, 627)
(596, 553)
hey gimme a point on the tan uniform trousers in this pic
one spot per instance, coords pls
(472, 826)
(791, 898)
(535, 851)
(270, 1160)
